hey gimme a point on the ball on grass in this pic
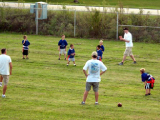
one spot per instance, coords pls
(119, 105)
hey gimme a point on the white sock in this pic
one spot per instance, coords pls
(1, 83)
(83, 102)
(96, 102)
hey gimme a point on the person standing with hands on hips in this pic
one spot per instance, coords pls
(129, 45)
(62, 44)
(94, 67)
(25, 43)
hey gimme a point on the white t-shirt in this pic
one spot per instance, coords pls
(94, 67)
(4, 64)
(128, 36)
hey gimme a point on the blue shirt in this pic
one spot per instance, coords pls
(146, 77)
(62, 44)
(71, 51)
(102, 48)
(26, 44)
(99, 52)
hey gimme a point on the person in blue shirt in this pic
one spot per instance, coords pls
(101, 44)
(62, 44)
(148, 81)
(99, 52)
(71, 54)
(25, 49)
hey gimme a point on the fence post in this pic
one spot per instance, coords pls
(117, 26)
(36, 21)
(74, 23)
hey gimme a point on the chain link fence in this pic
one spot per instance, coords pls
(83, 24)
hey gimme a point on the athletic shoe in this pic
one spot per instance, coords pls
(121, 63)
(3, 96)
(67, 64)
(82, 103)
(23, 58)
(146, 94)
(134, 62)
(58, 58)
(96, 104)
(64, 58)
(149, 93)
(74, 64)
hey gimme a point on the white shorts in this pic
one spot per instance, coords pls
(62, 51)
(71, 59)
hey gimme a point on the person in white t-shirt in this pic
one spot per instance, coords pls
(129, 45)
(94, 67)
(5, 69)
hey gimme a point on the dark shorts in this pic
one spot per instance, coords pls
(25, 52)
(148, 86)
(94, 84)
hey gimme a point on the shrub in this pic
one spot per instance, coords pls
(92, 24)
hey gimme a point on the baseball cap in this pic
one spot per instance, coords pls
(94, 53)
(125, 29)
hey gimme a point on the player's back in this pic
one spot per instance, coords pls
(4, 64)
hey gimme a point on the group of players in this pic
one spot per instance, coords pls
(93, 66)
(62, 44)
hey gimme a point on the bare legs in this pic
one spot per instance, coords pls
(24, 56)
(69, 62)
(1, 78)
(86, 94)
(96, 96)
(60, 56)
(65, 56)
(4, 89)
(132, 57)
(124, 58)
(148, 91)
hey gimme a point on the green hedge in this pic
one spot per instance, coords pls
(91, 24)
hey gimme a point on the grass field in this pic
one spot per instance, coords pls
(154, 4)
(44, 88)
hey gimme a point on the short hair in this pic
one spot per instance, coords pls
(62, 35)
(25, 36)
(99, 46)
(142, 70)
(94, 54)
(71, 45)
(3, 50)
(125, 28)
(101, 41)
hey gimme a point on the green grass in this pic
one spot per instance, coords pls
(154, 4)
(44, 88)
